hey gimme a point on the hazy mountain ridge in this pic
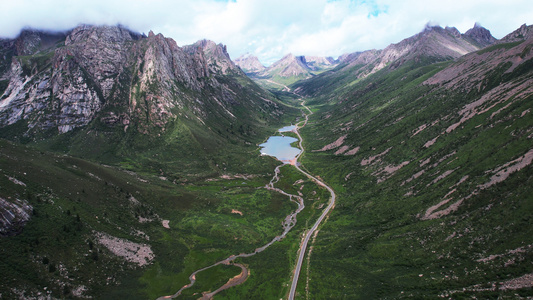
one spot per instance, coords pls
(434, 43)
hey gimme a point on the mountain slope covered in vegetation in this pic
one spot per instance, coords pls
(433, 166)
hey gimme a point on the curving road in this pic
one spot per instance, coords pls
(287, 225)
(331, 204)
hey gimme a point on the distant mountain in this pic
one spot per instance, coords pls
(481, 35)
(317, 63)
(290, 69)
(289, 66)
(433, 44)
(249, 63)
(523, 33)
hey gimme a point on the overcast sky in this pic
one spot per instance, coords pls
(270, 29)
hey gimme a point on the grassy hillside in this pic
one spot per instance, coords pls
(79, 206)
(433, 167)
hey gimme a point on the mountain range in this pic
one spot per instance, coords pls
(285, 71)
(128, 162)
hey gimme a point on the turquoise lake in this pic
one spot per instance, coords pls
(280, 148)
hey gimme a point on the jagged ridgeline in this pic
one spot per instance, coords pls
(429, 143)
(107, 93)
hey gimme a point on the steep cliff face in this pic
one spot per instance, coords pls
(115, 77)
(66, 86)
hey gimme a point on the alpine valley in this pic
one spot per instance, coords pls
(130, 168)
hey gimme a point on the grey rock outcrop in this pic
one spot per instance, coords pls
(13, 216)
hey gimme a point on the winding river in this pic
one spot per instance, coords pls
(279, 147)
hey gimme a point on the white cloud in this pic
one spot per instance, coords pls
(271, 29)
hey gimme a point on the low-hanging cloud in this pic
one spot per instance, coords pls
(271, 29)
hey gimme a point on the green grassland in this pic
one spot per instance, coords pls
(73, 199)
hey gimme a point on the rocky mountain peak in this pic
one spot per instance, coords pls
(216, 55)
(102, 34)
(523, 33)
(433, 43)
(290, 59)
(30, 41)
(481, 35)
(453, 31)
(249, 63)
(289, 66)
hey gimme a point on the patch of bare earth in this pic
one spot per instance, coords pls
(166, 223)
(388, 171)
(353, 151)
(441, 176)
(517, 251)
(333, 145)
(525, 281)
(501, 173)
(234, 211)
(15, 181)
(423, 127)
(233, 176)
(140, 254)
(415, 176)
(369, 160)
(342, 150)
(237, 280)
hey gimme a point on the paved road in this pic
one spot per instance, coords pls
(305, 241)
